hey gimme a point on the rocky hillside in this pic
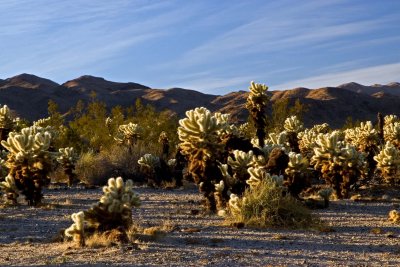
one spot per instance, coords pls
(28, 95)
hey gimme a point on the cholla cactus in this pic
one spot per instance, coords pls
(363, 136)
(42, 122)
(67, 158)
(77, 229)
(389, 162)
(296, 173)
(29, 161)
(10, 189)
(128, 134)
(164, 141)
(6, 120)
(149, 161)
(392, 133)
(293, 124)
(256, 104)
(307, 139)
(200, 138)
(339, 162)
(115, 206)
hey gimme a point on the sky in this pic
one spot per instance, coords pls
(210, 46)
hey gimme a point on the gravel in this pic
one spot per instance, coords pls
(361, 236)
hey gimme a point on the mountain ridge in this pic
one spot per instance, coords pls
(28, 95)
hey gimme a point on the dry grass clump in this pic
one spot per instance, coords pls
(93, 169)
(269, 205)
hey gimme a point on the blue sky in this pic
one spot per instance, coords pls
(210, 46)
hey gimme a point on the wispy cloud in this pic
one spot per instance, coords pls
(370, 75)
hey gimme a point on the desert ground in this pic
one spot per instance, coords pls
(358, 233)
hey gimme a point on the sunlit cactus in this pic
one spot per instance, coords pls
(296, 173)
(256, 104)
(6, 122)
(394, 216)
(307, 139)
(149, 161)
(363, 136)
(389, 162)
(258, 174)
(9, 189)
(67, 158)
(164, 141)
(77, 229)
(200, 138)
(29, 161)
(392, 133)
(292, 127)
(340, 164)
(129, 134)
(115, 207)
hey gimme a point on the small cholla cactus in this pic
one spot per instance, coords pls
(77, 229)
(394, 216)
(293, 126)
(42, 122)
(67, 158)
(149, 161)
(297, 174)
(115, 206)
(340, 163)
(392, 133)
(129, 134)
(257, 174)
(325, 194)
(29, 161)
(219, 196)
(164, 141)
(389, 162)
(10, 189)
(6, 122)
(256, 104)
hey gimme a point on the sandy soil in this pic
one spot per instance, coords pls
(362, 235)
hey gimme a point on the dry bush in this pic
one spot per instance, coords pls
(269, 205)
(58, 175)
(93, 169)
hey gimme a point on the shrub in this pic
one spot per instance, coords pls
(93, 169)
(266, 204)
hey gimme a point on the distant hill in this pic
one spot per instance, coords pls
(28, 95)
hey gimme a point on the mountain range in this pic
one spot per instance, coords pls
(28, 95)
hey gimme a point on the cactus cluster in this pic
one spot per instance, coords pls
(6, 122)
(362, 137)
(29, 161)
(129, 134)
(297, 173)
(68, 158)
(200, 138)
(388, 161)
(114, 208)
(339, 162)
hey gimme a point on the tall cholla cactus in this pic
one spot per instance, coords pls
(67, 158)
(256, 104)
(366, 139)
(389, 162)
(29, 161)
(293, 126)
(77, 229)
(164, 141)
(297, 174)
(115, 207)
(128, 134)
(201, 142)
(391, 130)
(6, 122)
(339, 162)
